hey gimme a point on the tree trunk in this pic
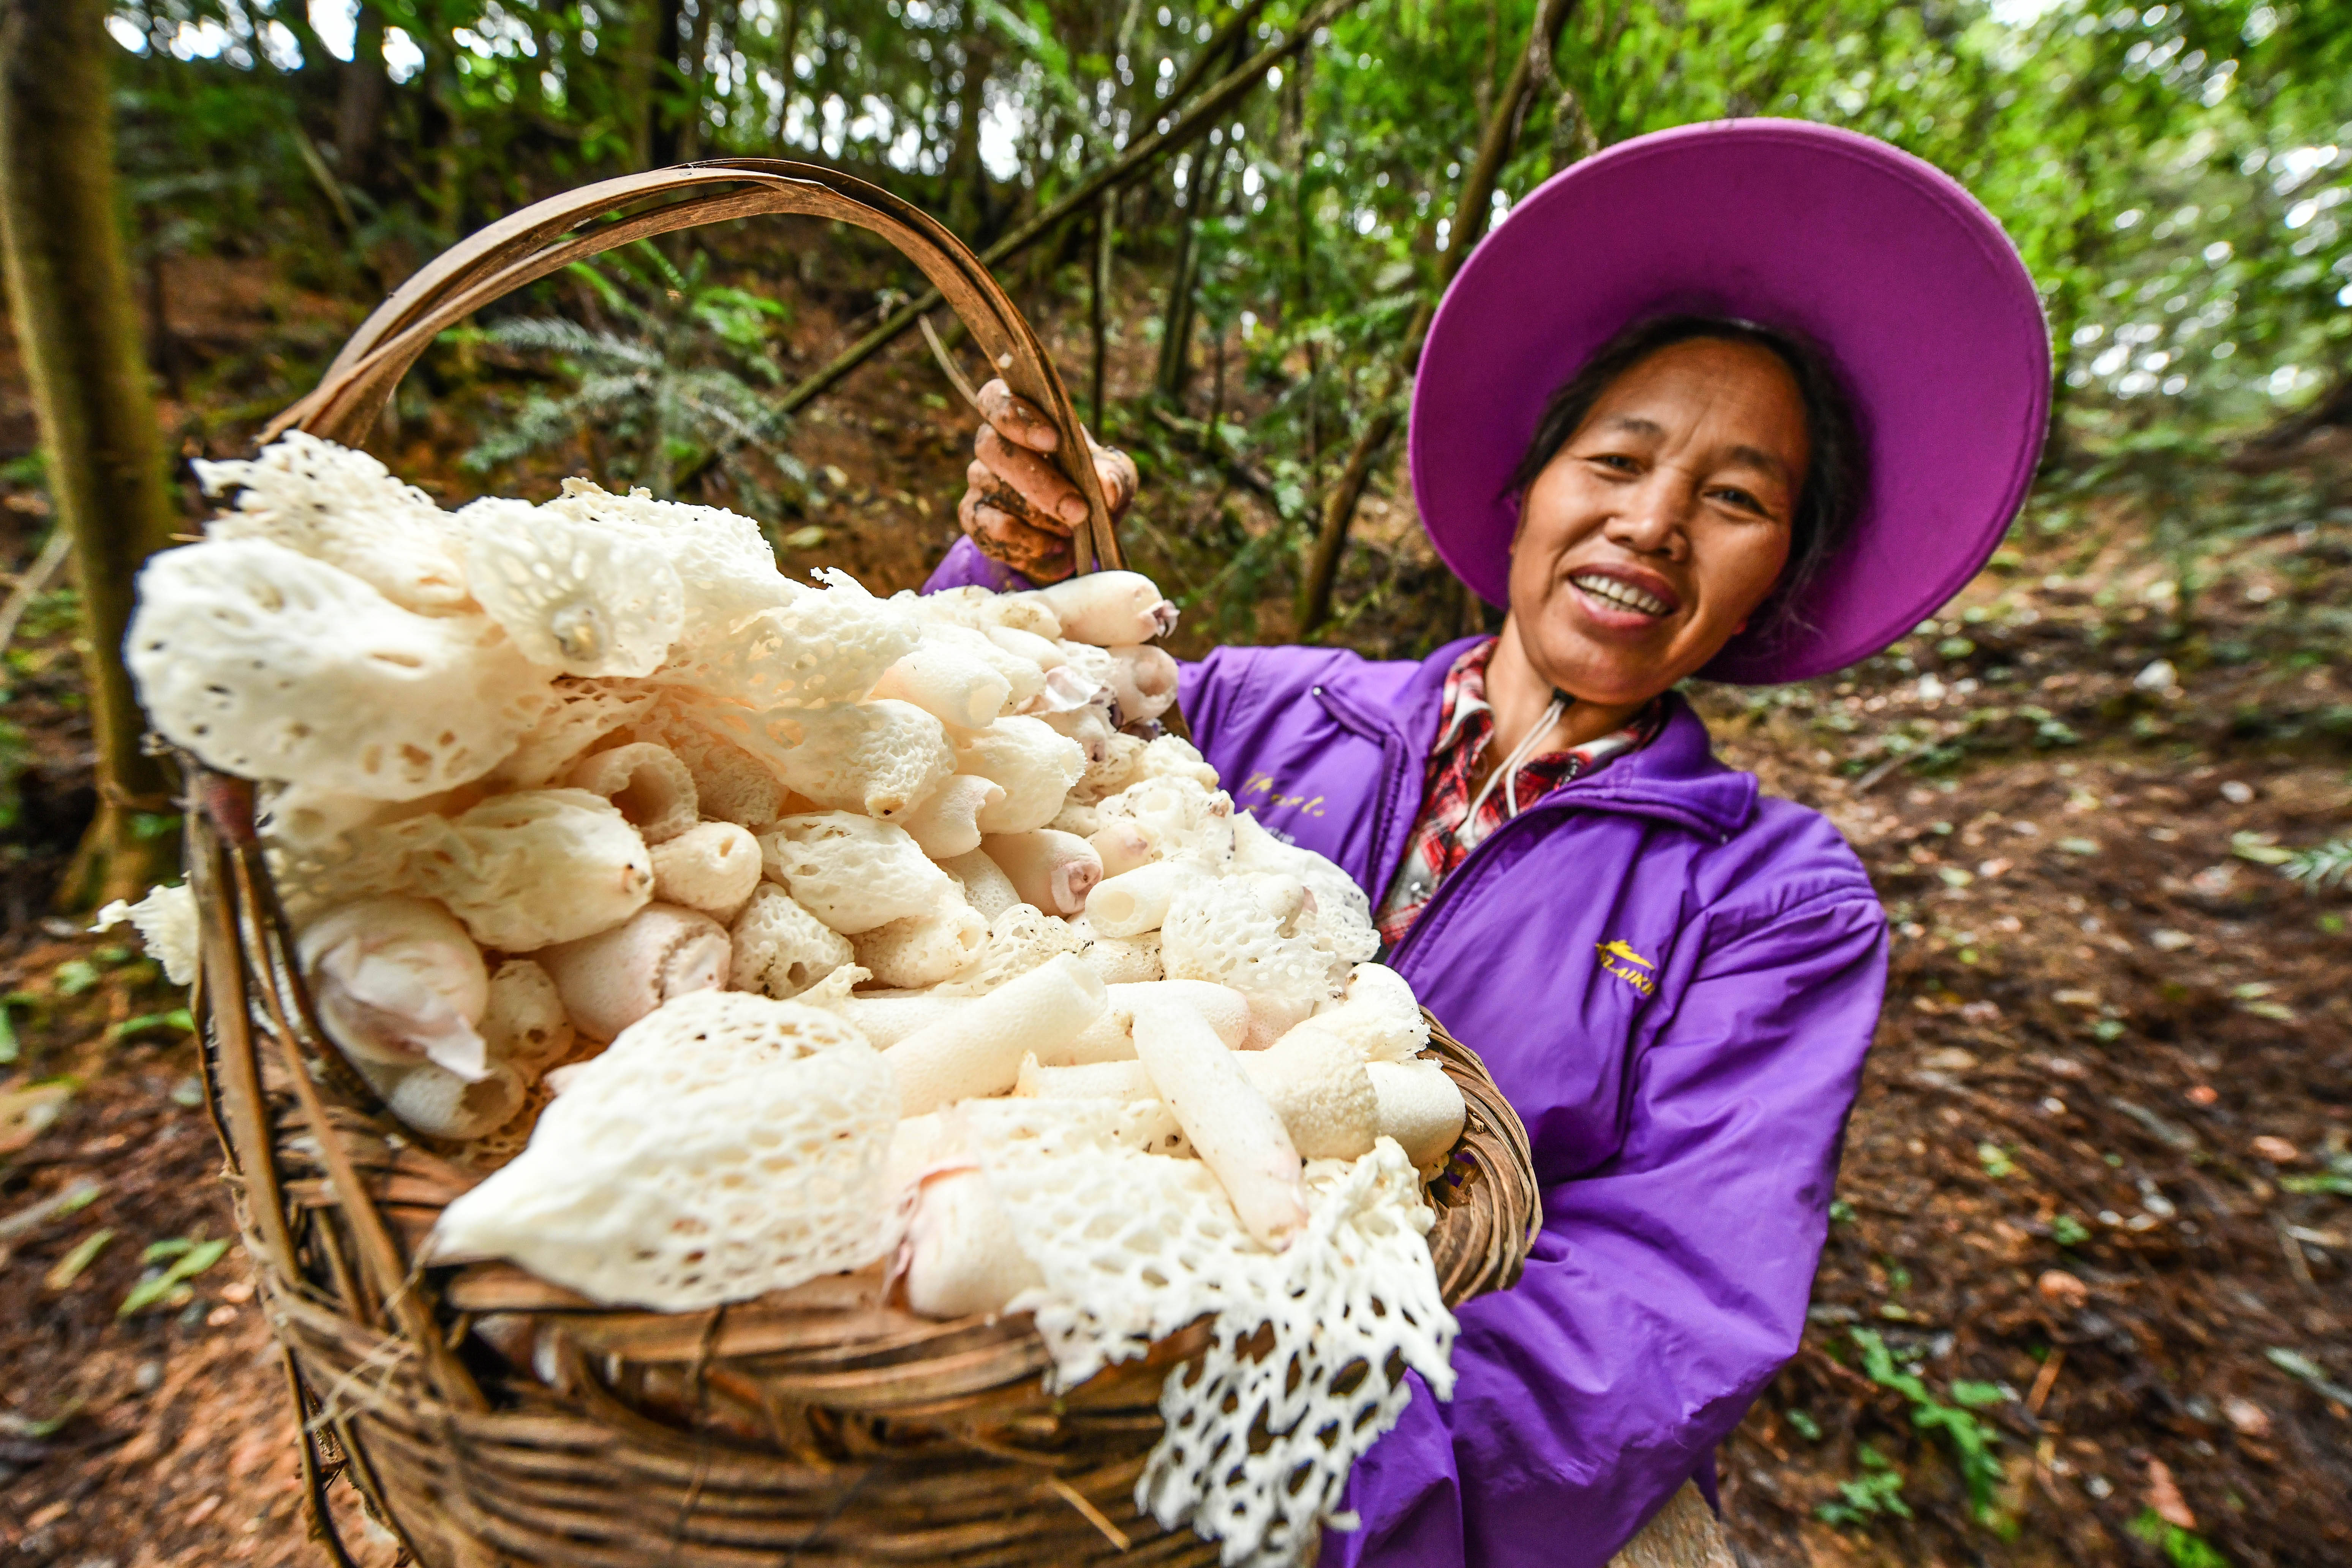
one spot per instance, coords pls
(1529, 71)
(967, 176)
(662, 113)
(360, 102)
(698, 51)
(1176, 326)
(70, 296)
(1099, 299)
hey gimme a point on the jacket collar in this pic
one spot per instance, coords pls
(1675, 777)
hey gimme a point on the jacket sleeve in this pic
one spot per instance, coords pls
(965, 567)
(1668, 1285)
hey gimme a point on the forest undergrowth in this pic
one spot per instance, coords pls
(2085, 1296)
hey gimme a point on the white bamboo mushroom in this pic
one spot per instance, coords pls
(1232, 1127)
(1108, 608)
(1020, 939)
(1422, 1108)
(1122, 847)
(1035, 767)
(166, 922)
(1088, 1080)
(952, 684)
(985, 886)
(962, 1257)
(1055, 871)
(1136, 901)
(1317, 1085)
(610, 980)
(444, 1105)
(646, 783)
(1120, 960)
(850, 872)
(724, 1146)
(1144, 678)
(532, 868)
(573, 595)
(977, 1050)
(525, 1026)
(398, 983)
(730, 785)
(1027, 646)
(887, 1020)
(1111, 1037)
(1272, 1015)
(1378, 1015)
(920, 1145)
(923, 950)
(711, 867)
(946, 822)
(342, 506)
(810, 650)
(779, 948)
(880, 757)
(269, 665)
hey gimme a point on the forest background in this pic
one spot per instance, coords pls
(2103, 792)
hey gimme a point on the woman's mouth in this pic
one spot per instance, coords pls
(1622, 593)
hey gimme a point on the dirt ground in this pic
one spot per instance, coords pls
(2085, 1300)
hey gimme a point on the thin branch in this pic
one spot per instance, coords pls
(1172, 136)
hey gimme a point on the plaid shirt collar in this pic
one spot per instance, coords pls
(1444, 834)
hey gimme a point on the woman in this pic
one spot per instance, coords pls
(1744, 401)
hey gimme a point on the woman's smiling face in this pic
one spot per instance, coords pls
(1662, 522)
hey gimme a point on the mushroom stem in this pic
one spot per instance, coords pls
(951, 684)
(712, 867)
(1109, 608)
(646, 783)
(1122, 847)
(1053, 870)
(1422, 1108)
(1236, 1132)
(962, 1256)
(610, 980)
(946, 823)
(1143, 675)
(1091, 1080)
(977, 1050)
(1136, 901)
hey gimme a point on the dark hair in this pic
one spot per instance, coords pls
(1835, 473)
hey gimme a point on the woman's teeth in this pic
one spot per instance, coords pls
(1621, 593)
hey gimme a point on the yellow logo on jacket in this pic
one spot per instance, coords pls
(1618, 958)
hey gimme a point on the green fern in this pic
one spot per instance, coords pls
(2321, 865)
(672, 391)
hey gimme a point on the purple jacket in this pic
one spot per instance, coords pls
(1675, 980)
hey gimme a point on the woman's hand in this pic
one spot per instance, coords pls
(1018, 507)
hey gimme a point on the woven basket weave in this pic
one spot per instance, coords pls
(821, 1424)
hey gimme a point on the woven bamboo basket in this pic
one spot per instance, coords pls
(821, 1424)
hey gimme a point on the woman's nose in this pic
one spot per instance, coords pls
(1655, 517)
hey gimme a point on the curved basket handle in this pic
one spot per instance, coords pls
(548, 235)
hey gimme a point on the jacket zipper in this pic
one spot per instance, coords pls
(1393, 764)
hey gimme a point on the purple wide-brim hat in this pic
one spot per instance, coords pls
(1922, 303)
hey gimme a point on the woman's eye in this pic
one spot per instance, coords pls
(1738, 498)
(1617, 460)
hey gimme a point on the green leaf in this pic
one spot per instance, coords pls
(159, 1287)
(1979, 1395)
(69, 1268)
(2068, 1231)
(2258, 848)
(74, 976)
